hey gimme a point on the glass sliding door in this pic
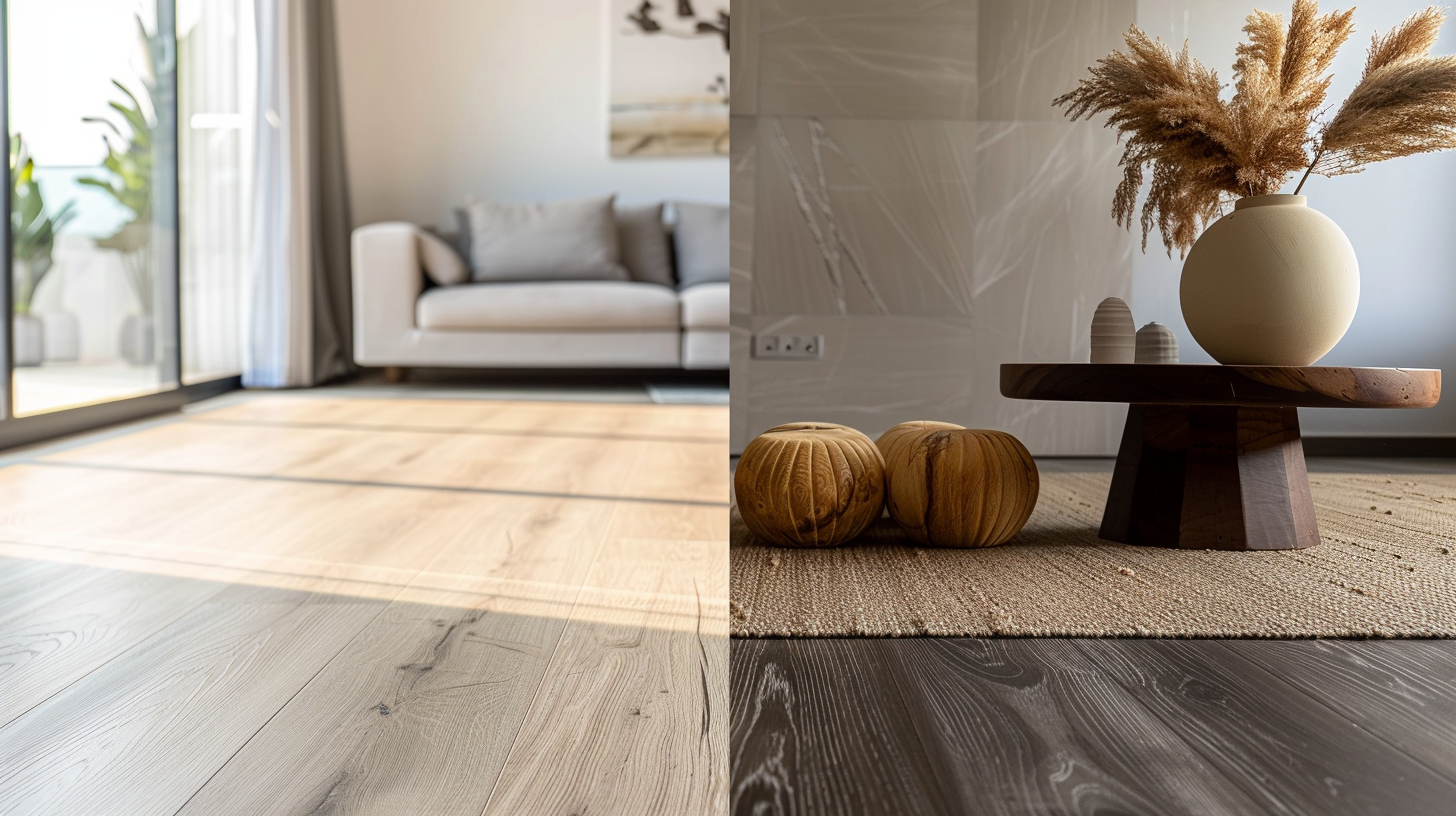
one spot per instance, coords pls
(217, 70)
(92, 101)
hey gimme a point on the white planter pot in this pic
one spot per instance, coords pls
(1271, 283)
(138, 341)
(29, 337)
(62, 337)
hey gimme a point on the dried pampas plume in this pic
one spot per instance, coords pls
(1199, 150)
(1405, 102)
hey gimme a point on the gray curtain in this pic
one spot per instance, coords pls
(333, 324)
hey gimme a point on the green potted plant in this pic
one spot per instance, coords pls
(128, 180)
(33, 233)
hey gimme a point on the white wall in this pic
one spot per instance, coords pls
(503, 99)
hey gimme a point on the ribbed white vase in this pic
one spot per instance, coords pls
(1271, 283)
(1113, 332)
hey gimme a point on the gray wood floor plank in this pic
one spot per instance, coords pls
(222, 598)
(636, 693)
(1289, 752)
(79, 625)
(142, 733)
(417, 713)
(1034, 726)
(1402, 691)
(818, 727)
(26, 584)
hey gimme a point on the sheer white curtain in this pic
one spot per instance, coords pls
(217, 62)
(299, 320)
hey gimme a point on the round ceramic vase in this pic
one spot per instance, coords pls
(1271, 283)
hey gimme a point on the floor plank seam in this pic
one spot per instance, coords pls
(189, 609)
(555, 651)
(482, 491)
(245, 743)
(456, 431)
(1325, 705)
(1174, 728)
(895, 670)
(188, 637)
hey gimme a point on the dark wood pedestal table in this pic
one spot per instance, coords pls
(1211, 456)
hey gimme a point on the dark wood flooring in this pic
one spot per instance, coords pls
(1088, 726)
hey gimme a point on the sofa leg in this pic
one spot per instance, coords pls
(394, 374)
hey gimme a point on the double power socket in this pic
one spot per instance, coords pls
(788, 347)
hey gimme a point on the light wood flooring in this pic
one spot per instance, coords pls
(344, 603)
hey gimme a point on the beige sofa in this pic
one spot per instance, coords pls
(400, 322)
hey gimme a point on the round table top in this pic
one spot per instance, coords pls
(1288, 386)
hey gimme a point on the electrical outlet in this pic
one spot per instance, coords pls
(788, 347)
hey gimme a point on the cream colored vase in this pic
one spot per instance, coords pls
(1271, 283)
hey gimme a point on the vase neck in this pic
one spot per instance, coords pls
(1275, 200)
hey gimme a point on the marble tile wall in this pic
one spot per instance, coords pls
(902, 186)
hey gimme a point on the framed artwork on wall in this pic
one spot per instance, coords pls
(669, 78)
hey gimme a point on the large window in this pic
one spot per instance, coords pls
(93, 213)
(118, 112)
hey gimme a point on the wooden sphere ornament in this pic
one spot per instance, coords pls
(951, 487)
(810, 484)
(896, 443)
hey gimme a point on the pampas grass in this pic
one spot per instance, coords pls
(1405, 102)
(1198, 150)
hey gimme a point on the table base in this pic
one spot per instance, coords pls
(1211, 477)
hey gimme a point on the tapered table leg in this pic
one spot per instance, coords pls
(1211, 477)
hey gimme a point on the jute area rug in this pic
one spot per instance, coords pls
(1386, 568)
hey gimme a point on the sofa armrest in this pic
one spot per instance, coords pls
(388, 279)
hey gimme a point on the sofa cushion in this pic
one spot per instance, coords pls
(701, 241)
(642, 238)
(561, 240)
(705, 306)
(554, 306)
(441, 263)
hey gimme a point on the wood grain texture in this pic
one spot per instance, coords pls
(1211, 477)
(1293, 387)
(1289, 752)
(418, 712)
(141, 733)
(960, 487)
(820, 727)
(1403, 692)
(467, 415)
(1035, 726)
(1021, 726)
(526, 455)
(636, 692)
(86, 622)
(314, 604)
(895, 443)
(810, 484)
(1211, 456)
(26, 584)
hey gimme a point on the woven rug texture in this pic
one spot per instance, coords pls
(1386, 568)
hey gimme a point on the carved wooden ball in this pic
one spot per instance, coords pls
(896, 442)
(810, 484)
(954, 487)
